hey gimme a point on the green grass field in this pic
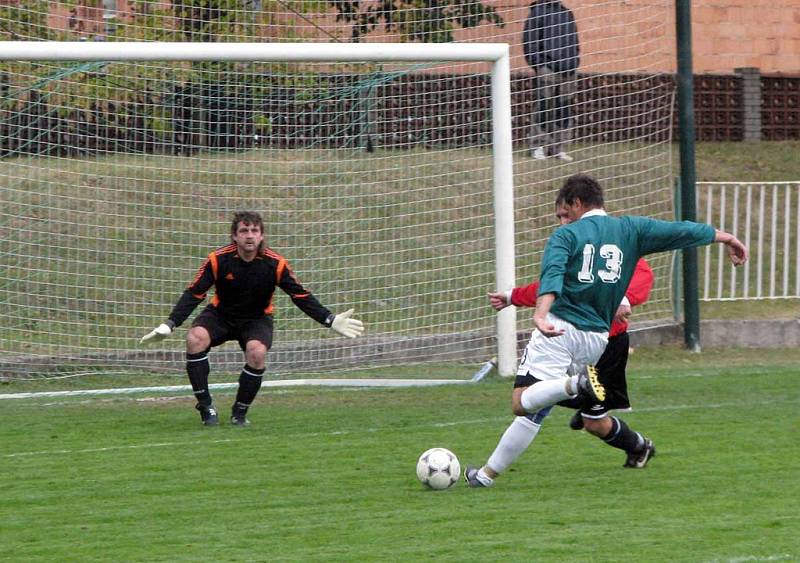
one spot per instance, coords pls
(327, 475)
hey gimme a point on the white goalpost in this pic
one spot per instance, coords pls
(116, 186)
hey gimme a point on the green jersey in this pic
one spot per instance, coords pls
(589, 263)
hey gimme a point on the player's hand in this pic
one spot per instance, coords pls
(622, 314)
(344, 325)
(157, 334)
(737, 252)
(498, 301)
(547, 328)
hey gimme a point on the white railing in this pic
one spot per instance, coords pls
(766, 217)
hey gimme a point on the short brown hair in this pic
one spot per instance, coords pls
(582, 187)
(248, 218)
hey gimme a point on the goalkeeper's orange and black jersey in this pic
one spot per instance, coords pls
(244, 290)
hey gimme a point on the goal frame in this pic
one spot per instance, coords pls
(497, 54)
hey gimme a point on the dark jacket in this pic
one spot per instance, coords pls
(550, 37)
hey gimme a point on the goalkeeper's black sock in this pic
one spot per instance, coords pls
(198, 368)
(249, 384)
(623, 437)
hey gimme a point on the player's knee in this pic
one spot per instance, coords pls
(197, 340)
(516, 402)
(256, 354)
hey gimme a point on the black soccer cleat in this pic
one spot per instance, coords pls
(576, 422)
(589, 385)
(471, 477)
(238, 416)
(240, 421)
(638, 460)
(208, 414)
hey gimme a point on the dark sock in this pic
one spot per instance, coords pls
(249, 384)
(197, 367)
(623, 437)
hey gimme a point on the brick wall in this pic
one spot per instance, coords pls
(727, 34)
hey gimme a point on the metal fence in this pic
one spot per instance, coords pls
(766, 217)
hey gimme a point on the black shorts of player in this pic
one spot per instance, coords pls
(611, 372)
(222, 329)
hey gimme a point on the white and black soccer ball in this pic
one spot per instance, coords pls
(438, 468)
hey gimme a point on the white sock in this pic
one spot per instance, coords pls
(545, 393)
(572, 386)
(515, 440)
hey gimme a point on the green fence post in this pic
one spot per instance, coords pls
(691, 308)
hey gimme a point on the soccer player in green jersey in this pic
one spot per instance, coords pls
(586, 269)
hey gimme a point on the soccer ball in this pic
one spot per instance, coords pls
(438, 468)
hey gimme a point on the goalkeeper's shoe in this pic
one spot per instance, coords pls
(238, 417)
(208, 414)
(589, 385)
(471, 477)
(639, 459)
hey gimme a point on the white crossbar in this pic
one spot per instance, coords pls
(265, 52)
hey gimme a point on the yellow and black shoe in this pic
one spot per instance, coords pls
(589, 385)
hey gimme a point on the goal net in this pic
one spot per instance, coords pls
(376, 178)
(110, 209)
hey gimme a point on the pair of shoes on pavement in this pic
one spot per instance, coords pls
(539, 154)
(209, 416)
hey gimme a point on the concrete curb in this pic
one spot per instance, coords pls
(742, 333)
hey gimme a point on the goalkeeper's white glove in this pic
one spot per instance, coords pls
(344, 325)
(159, 333)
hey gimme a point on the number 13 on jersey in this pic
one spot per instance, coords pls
(610, 273)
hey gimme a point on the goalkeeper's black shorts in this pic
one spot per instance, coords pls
(222, 329)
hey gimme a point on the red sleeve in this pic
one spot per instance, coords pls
(641, 283)
(525, 296)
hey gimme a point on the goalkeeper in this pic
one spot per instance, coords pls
(244, 275)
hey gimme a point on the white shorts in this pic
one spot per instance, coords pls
(561, 356)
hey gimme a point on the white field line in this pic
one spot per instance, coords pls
(337, 433)
(217, 386)
(754, 558)
(353, 383)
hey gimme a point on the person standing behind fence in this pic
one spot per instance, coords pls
(551, 47)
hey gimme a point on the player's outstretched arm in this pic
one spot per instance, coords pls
(737, 251)
(347, 326)
(520, 296)
(499, 300)
(159, 333)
